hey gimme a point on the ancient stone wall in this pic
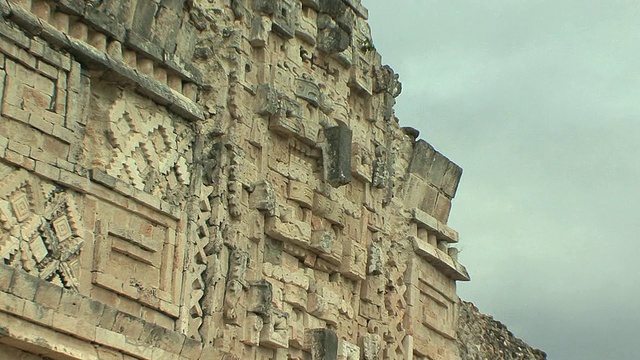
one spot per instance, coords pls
(481, 337)
(211, 179)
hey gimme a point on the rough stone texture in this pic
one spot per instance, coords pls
(213, 179)
(481, 337)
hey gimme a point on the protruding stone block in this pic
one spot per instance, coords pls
(284, 19)
(322, 240)
(354, 261)
(263, 197)
(259, 31)
(267, 97)
(331, 38)
(337, 155)
(451, 180)
(323, 344)
(348, 351)
(370, 344)
(340, 12)
(307, 90)
(385, 80)
(422, 158)
(251, 330)
(324, 207)
(437, 170)
(375, 264)
(259, 297)
(266, 7)
(288, 120)
(314, 4)
(381, 173)
(296, 232)
(275, 332)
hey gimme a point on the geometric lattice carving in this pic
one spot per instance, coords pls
(40, 230)
(144, 144)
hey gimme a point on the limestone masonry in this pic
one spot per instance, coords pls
(210, 179)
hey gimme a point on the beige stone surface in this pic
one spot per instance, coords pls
(215, 180)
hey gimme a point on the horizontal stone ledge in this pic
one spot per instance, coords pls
(99, 22)
(441, 261)
(92, 57)
(100, 177)
(426, 221)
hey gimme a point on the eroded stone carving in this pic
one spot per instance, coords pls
(41, 228)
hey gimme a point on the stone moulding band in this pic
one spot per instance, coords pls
(443, 232)
(92, 57)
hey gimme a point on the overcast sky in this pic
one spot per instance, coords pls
(539, 102)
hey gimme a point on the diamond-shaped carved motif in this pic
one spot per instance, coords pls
(42, 228)
(20, 206)
(38, 249)
(62, 228)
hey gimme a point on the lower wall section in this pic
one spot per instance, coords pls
(482, 337)
(46, 320)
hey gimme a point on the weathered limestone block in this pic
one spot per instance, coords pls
(331, 39)
(308, 90)
(438, 168)
(381, 173)
(451, 180)
(375, 261)
(263, 197)
(323, 344)
(337, 155)
(345, 58)
(301, 193)
(296, 296)
(385, 80)
(267, 99)
(325, 208)
(259, 297)
(233, 311)
(289, 230)
(260, 26)
(348, 351)
(322, 303)
(251, 330)
(361, 164)
(360, 79)
(288, 120)
(323, 240)
(371, 346)
(307, 28)
(284, 19)
(340, 12)
(372, 289)
(275, 331)
(354, 261)
(435, 168)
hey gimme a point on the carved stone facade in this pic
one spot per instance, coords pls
(209, 179)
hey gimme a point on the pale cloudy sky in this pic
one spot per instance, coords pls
(539, 102)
